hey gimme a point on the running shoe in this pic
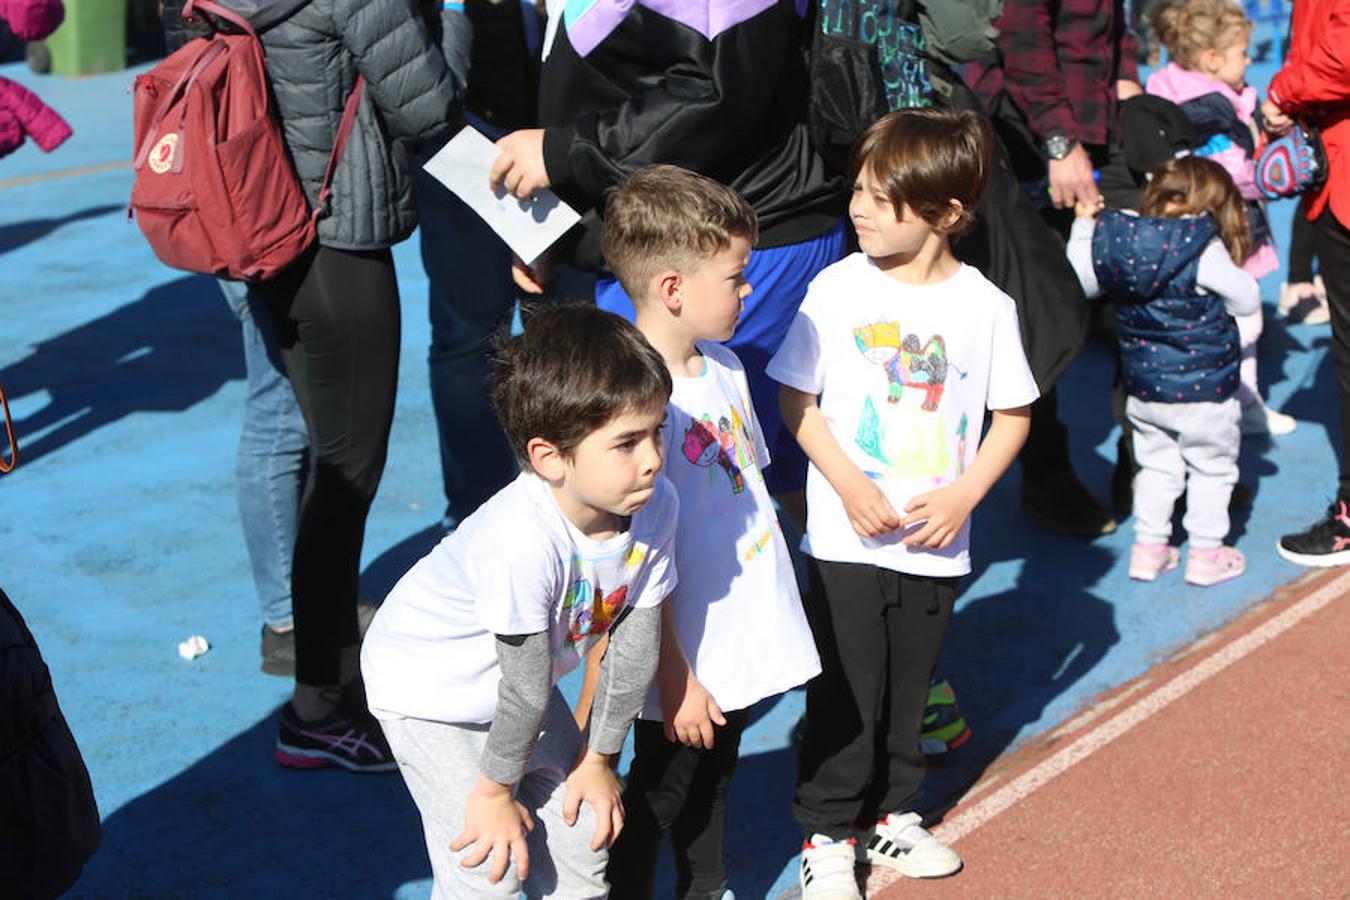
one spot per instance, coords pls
(1213, 565)
(349, 740)
(1325, 544)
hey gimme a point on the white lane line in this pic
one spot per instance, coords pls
(1019, 788)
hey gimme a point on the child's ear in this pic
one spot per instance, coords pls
(1211, 60)
(546, 459)
(955, 210)
(666, 286)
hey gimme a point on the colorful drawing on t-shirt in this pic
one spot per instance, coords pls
(961, 428)
(757, 547)
(724, 444)
(907, 362)
(907, 439)
(596, 618)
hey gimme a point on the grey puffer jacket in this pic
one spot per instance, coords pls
(314, 54)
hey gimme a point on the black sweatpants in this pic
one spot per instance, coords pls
(338, 315)
(683, 789)
(878, 633)
(1333, 260)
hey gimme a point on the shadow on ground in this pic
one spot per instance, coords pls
(240, 829)
(20, 233)
(165, 352)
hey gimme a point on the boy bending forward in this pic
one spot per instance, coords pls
(462, 660)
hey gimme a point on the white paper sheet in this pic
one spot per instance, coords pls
(528, 227)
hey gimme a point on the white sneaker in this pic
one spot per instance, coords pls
(826, 871)
(902, 843)
(1261, 419)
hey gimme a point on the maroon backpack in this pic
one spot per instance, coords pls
(215, 190)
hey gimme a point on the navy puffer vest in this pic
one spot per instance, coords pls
(1177, 344)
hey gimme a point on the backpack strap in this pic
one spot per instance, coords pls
(344, 131)
(215, 9)
(348, 112)
(8, 466)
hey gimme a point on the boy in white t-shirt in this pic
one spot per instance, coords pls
(462, 660)
(886, 375)
(734, 631)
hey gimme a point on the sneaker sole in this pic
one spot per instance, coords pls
(301, 758)
(1211, 580)
(1317, 561)
(907, 869)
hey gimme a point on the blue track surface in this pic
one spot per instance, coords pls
(122, 539)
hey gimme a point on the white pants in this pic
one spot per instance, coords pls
(1184, 446)
(439, 763)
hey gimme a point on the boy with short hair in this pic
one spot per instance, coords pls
(733, 631)
(462, 660)
(886, 375)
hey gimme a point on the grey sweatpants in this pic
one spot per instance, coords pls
(1184, 446)
(440, 765)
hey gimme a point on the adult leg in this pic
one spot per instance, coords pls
(1327, 542)
(341, 309)
(837, 760)
(471, 298)
(270, 463)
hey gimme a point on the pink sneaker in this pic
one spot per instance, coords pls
(1148, 561)
(1206, 567)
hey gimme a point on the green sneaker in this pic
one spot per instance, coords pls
(943, 727)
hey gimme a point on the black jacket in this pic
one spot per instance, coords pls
(49, 825)
(721, 95)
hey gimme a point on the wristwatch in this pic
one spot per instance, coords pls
(1059, 144)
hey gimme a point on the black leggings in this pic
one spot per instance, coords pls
(338, 314)
(683, 789)
(1302, 244)
(1333, 258)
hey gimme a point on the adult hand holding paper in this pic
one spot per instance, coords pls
(464, 165)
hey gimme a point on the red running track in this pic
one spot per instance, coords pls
(1224, 772)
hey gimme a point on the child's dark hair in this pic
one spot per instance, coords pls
(571, 370)
(1192, 186)
(664, 217)
(925, 159)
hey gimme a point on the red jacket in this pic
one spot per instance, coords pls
(21, 112)
(1315, 85)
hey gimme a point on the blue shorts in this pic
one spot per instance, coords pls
(778, 276)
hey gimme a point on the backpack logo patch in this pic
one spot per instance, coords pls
(161, 157)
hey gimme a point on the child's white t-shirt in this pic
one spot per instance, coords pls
(516, 566)
(737, 609)
(904, 374)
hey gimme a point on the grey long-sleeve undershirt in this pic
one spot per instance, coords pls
(527, 682)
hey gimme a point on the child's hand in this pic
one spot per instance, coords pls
(519, 166)
(691, 714)
(1087, 209)
(497, 824)
(869, 512)
(945, 511)
(1275, 120)
(593, 781)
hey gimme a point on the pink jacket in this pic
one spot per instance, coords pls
(32, 20)
(23, 114)
(1179, 85)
